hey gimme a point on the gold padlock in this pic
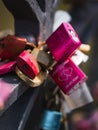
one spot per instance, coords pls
(38, 80)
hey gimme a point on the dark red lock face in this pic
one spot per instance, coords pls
(11, 47)
(27, 64)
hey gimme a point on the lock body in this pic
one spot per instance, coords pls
(11, 46)
(67, 75)
(38, 80)
(7, 67)
(63, 42)
(42, 57)
(28, 64)
(51, 120)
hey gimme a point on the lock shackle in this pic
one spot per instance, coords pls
(30, 45)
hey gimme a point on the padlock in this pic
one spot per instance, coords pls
(50, 120)
(5, 92)
(79, 97)
(7, 67)
(79, 57)
(52, 116)
(38, 80)
(11, 46)
(83, 124)
(63, 42)
(43, 58)
(67, 75)
(28, 64)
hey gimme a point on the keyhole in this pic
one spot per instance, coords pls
(25, 67)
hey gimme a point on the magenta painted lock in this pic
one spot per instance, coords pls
(67, 75)
(7, 67)
(63, 42)
(6, 90)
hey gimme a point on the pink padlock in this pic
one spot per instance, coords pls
(7, 67)
(5, 92)
(63, 42)
(28, 64)
(67, 76)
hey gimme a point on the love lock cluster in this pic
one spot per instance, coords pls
(31, 63)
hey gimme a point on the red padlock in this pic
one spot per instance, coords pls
(63, 42)
(27, 63)
(11, 46)
(68, 76)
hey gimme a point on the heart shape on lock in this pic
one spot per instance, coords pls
(66, 73)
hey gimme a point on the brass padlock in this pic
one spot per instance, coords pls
(11, 46)
(38, 80)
